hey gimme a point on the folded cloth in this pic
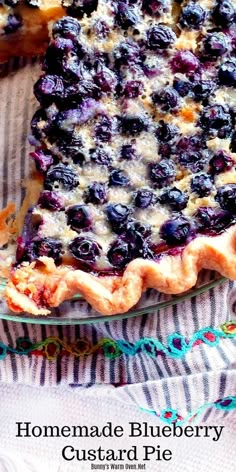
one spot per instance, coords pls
(174, 363)
(177, 362)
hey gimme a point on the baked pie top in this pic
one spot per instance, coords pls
(135, 144)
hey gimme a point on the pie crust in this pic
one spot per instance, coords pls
(152, 156)
(36, 288)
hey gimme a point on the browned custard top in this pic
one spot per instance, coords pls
(135, 137)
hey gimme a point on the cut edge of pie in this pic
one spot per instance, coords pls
(35, 287)
(32, 37)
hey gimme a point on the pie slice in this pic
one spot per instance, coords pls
(25, 24)
(135, 151)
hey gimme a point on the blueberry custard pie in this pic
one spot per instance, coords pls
(134, 155)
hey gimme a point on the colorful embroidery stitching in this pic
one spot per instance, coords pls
(177, 345)
(171, 416)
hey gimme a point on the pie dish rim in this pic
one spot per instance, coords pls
(50, 286)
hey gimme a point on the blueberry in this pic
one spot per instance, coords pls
(227, 73)
(104, 77)
(143, 198)
(125, 16)
(136, 232)
(78, 217)
(117, 213)
(183, 87)
(67, 120)
(133, 88)
(166, 132)
(66, 27)
(212, 219)
(61, 175)
(79, 8)
(127, 152)
(162, 173)
(31, 225)
(77, 92)
(185, 62)
(224, 13)
(220, 162)
(14, 22)
(137, 235)
(166, 99)
(155, 7)
(118, 178)
(165, 150)
(202, 89)
(101, 59)
(133, 125)
(216, 120)
(101, 29)
(100, 157)
(193, 160)
(95, 193)
(85, 249)
(47, 247)
(215, 45)
(120, 254)
(43, 159)
(201, 185)
(175, 231)
(226, 197)
(195, 142)
(70, 146)
(49, 89)
(56, 54)
(127, 53)
(103, 129)
(191, 152)
(105, 80)
(192, 16)
(51, 201)
(175, 198)
(160, 37)
(30, 246)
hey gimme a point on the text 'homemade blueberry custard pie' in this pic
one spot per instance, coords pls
(135, 151)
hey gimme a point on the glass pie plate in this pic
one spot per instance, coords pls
(17, 106)
(78, 311)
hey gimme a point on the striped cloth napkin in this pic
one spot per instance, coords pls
(175, 364)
